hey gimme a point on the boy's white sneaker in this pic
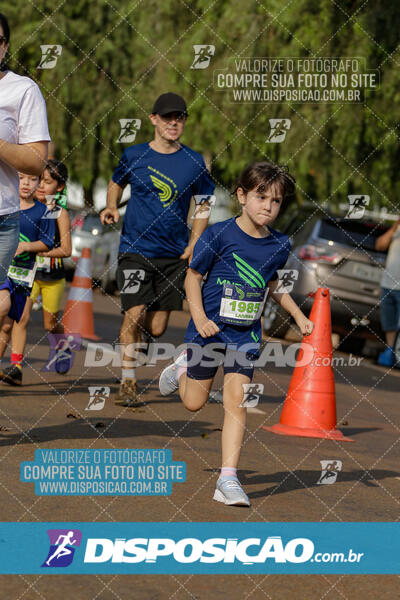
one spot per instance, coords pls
(168, 382)
(230, 492)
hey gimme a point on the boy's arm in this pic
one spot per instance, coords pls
(65, 248)
(203, 324)
(286, 301)
(31, 247)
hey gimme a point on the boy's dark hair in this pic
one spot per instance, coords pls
(6, 31)
(261, 175)
(57, 170)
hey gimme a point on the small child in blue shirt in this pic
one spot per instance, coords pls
(36, 235)
(239, 259)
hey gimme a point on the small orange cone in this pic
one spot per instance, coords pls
(310, 406)
(78, 313)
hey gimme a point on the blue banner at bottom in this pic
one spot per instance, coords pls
(204, 548)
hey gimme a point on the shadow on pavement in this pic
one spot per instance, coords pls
(286, 481)
(96, 428)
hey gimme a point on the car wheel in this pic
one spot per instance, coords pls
(276, 321)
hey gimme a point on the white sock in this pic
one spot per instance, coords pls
(181, 364)
(128, 374)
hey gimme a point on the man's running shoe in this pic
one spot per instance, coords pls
(231, 492)
(12, 375)
(168, 382)
(127, 393)
(63, 363)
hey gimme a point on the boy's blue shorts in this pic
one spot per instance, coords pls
(18, 296)
(205, 366)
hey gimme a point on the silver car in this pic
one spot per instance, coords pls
(337, 253)
(105, 257)
(102, 240)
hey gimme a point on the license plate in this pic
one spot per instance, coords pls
(367, 272)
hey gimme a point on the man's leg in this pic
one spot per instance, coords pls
(156, 322)
(130, 336)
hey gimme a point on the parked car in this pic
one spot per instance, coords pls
(101, 239)
(338, 253)
(83, 236)
(105, 257)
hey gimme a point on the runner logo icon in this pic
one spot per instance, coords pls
(53, 210)
(330, 470)
(203, 206)
(287, 278)
(132, 279)
(357, 205)
(63, 543)
(50, 55)
(97, 397)
(279, 129)
(251, 394)
(62, 351)
(129, 129)
(202, 56)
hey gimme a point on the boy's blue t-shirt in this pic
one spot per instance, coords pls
(34, 228)
(161, 188)
(229, 255)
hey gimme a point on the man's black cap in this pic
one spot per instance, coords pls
(168, 103)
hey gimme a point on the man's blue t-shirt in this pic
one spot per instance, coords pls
(34, 228)
(226, 254)
(161, 188)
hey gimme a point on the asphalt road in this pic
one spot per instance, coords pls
(279, 473)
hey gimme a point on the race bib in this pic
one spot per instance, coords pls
(22, 275)
(241, 305)
(43, 263)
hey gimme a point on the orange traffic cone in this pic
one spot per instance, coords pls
(310, 406)
(78, 313)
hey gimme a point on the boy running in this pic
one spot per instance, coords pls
(36, 235)
(50, 274)
(240, 258)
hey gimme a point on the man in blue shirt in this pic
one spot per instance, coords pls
(154, 249)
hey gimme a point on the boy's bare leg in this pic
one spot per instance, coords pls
(234, 419)
(194, 392)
